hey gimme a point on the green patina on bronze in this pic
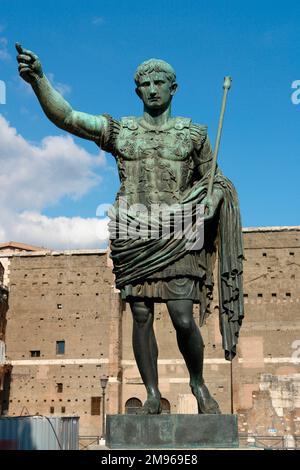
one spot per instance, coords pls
(169, 161)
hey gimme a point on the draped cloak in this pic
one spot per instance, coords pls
(137, 259)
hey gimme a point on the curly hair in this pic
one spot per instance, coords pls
(154, 65)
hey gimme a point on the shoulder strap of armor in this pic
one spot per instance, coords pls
(130, 122)
(182, 123)
(198, 134)
(108, 139)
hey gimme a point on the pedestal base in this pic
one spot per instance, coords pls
(171, 431)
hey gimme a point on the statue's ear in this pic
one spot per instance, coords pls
(173, 88)
(137, 90)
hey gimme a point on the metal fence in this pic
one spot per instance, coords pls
(268, 442)
(88, 442)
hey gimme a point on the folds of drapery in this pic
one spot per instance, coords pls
(135, 259)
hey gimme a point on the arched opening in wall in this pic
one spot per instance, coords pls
(132, 406)
(165, 406)
(1, 274)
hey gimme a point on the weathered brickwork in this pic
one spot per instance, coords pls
(266, 376)
(70, 297)
(4, 368)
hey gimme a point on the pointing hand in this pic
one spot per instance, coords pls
(30, 68)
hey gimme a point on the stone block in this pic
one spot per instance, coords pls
(171, 431)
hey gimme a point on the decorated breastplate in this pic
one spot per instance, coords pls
(155, 164)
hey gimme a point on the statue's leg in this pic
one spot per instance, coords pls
(146, 352)
(191, 347)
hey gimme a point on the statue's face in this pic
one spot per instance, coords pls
(155, 90)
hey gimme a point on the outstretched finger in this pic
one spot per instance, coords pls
(19, 48)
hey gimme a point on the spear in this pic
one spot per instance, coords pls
(226, 86)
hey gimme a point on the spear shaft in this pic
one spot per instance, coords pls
(226, 86)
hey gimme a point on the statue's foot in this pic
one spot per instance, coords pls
(206, 403)
(151, 406)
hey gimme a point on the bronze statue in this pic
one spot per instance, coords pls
(163, 160)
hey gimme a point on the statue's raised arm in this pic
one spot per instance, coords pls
(56, 108)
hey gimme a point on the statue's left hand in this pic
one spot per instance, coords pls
(211, 203)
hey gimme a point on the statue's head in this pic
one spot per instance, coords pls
(155, 83)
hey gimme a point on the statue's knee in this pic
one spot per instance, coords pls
(183, 322)
(181, 313)
(184, 325)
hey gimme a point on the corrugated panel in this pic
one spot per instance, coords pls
(39, 433)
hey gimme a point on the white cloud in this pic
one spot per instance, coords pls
(63, 88)
(34, 176)
(59, 232)
(4, 55)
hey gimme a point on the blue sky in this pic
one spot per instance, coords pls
(91, 50)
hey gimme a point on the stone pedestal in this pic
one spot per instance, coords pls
(171, 431)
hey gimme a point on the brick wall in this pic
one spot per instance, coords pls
(70, 297)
